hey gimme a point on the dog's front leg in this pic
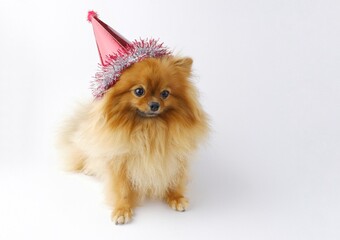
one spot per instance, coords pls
(121, 195)
(175, 194)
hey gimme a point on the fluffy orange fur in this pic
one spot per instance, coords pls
(138, 152)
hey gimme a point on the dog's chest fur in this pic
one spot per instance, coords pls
(154, 164)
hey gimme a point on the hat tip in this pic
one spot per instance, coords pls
(91, 14)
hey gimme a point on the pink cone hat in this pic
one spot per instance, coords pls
(117, 53)
(108, 40)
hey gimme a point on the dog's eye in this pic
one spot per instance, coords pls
(139, 91)
(165, 94)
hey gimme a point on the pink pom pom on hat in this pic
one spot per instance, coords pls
(117, 53)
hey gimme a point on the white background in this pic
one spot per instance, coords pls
(269, 76)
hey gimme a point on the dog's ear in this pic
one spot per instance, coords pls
(184, 65)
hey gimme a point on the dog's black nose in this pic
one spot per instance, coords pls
(154, 106)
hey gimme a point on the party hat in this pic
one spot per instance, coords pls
(117, 53)
(108, 40)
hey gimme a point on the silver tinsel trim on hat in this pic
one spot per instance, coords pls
(109, 74)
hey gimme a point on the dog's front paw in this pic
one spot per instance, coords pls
(122, 215)
(179, 204)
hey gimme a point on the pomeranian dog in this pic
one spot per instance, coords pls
(139, 136)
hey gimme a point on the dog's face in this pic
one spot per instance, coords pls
(153, 88)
